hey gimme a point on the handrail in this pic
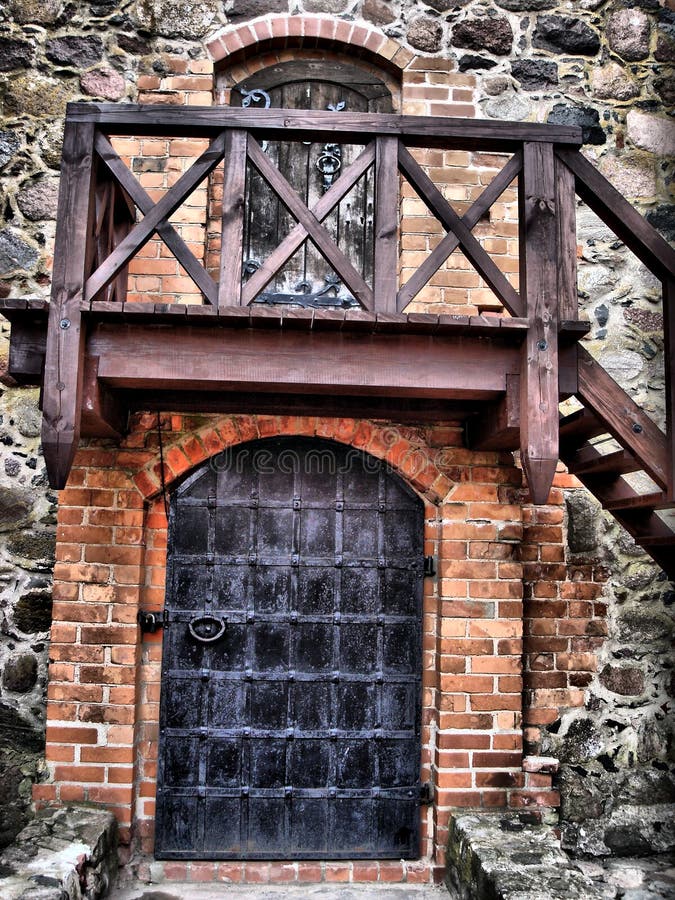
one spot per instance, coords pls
(430, 131)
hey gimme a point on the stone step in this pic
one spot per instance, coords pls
(501, 856)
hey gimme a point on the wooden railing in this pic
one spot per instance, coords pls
(97, 237)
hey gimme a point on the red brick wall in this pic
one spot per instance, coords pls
(105, 678)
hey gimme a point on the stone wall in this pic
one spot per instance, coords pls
(603, 65)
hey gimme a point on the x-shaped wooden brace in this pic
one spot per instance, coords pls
(459, 232)
(155, 219)
(309, 225)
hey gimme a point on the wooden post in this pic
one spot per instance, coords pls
(64, 367)
(565, 204)
(385, 277)
(539, 390)
(232, 231)
(669, 372)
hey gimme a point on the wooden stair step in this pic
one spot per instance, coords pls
(589, 461)
(655, 500)
(577, 428)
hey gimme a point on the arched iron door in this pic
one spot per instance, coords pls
(291, 672)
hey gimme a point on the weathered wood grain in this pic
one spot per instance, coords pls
(385, 276)
(232, 221)
(623, 418)
(260, 279)
(314, 125)
(565, 204)
(539, 388)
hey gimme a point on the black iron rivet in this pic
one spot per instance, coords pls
(60, 386)
(637, 428)
(64, 324)
(542, 345)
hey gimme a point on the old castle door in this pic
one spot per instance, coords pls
(291, 671)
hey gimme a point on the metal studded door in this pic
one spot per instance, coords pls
(291, 673)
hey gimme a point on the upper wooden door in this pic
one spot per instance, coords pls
(307, 279)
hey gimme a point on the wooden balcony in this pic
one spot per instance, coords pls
(100, 356)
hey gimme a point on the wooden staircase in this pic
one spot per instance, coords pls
(611, 437)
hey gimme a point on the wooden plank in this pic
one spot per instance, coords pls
(539, 386)
(450, 242)
(165, 230)
(565, 204)
(498, 426)
(64, 363)
(623, 418)
(260, 279)
(625, 221)
(669, 371)
(315, 230)
(232, 229)
(588, 460)
(327, 362)
(316, 125)
(160, 212)
(479, 258)
(385, 276)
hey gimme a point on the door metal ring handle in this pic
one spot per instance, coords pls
(211, 622)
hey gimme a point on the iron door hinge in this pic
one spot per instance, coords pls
(426, 793)
(150, 621)
(429, 567)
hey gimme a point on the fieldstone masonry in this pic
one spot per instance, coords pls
(606, 66)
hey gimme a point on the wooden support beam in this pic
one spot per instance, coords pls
(623, 418)
(232, 222)
(64, 364)
(385, 275)
(27, 348)
(539, 390)
(498, 425)
(204, 358)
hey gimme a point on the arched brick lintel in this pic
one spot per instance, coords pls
(234, 44)
(415, 463)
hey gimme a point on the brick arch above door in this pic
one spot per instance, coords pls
(419, 464)
(237, 44)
